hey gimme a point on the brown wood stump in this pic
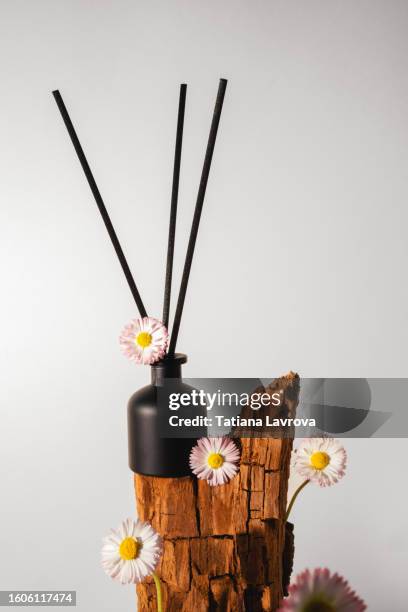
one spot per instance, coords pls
(223, 545)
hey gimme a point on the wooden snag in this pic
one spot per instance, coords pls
(223, 545)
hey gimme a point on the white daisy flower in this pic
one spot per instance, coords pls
(320, 460)
(132, 552)
(215, 460)
(144, 340)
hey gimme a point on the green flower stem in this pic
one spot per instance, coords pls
(159, 592)
(292, 501)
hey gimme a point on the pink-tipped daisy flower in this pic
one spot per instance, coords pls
(144, 340)
(215, 460)
(321, 591)
(320, 460)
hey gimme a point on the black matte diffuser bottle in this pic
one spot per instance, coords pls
(153, 448)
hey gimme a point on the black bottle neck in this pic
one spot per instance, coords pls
(169, 367)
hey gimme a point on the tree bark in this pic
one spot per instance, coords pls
(223, 545)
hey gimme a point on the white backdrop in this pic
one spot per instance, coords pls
(300, 264)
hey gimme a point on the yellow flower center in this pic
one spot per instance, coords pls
(319, 460)
(144, 339)
(215, 460)
(318, 604)
(129, 549)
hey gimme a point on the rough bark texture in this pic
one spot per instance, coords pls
(223, 545)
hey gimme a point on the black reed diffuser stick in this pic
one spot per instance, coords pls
(197, 213)
(100, 203)
(174, 200)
